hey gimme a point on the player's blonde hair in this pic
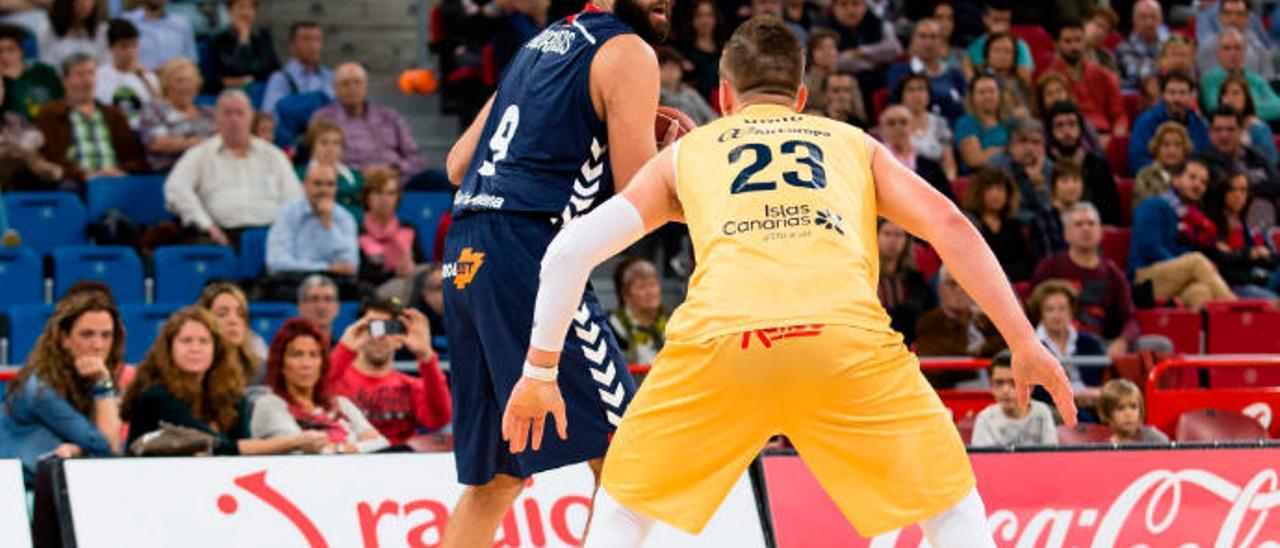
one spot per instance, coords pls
(763, 56)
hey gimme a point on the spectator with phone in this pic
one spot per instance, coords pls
(397, 404)
(302, 399)
(64, 400)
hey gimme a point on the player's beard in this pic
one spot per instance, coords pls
(638, 16)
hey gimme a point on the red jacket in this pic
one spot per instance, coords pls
(1097, 93)
(396, 404)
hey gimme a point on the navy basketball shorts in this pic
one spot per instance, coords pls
(491, 272)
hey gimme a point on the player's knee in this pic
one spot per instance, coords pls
(501, 487)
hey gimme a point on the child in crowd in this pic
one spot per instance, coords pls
(1004, 422)
(1120, 406)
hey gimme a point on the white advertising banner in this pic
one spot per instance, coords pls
(337, 501)
(15, 526)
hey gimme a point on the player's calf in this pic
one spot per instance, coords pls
(479, 512)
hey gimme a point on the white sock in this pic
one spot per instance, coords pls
(614, 525)
(961, 526)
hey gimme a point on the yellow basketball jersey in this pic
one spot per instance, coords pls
(781, 208)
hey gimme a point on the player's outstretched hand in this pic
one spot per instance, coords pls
(527, 410)
(1034, 365)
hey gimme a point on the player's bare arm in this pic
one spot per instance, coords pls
(648, 203)
(624, 91)
(907, 200)
(459, 158)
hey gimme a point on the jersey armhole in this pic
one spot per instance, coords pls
(675, 172)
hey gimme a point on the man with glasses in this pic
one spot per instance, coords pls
(946, 84)
(1026, 161)
(318, 301)
(1234, 14)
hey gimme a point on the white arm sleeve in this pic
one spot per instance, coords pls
(583, 244)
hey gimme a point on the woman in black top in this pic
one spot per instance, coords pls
(699, 39)
(243, 54)
(192, 377)
(992, 204)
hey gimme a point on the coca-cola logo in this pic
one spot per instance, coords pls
(425, 519)
(1185, 508)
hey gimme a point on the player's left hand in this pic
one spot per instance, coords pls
(1034, 365)
(527, 410)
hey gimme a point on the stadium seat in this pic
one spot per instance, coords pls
(140, 197)
(1124, 187)
(47, 220)
(959, 186)
(1084, 434)
(1180, 325)
(26, 322)
(183, 270)
(267, 317)
(1118, 155)
(1115, 245)
(879, 102)
(927, 260)
(253, 253)
(142, 323)
(21, 277)
(965, 427)
(117, 266)
(1217, 425)
(1131, 100)
(347, 314)
(423, 209)
(1242, 327)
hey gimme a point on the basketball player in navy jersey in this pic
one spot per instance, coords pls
(571, 122)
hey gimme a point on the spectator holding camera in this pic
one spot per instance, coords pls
(301, 398)
(397, 404)
(192, 378)
(64, 400)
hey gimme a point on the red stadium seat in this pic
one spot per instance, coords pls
(1084, 434)
(1118, 155)
(1241, 327)
(927, 260)
(879, 102)
(1166, 404)
(959, 186)
(1115, 244)
(965, 403)
(1124, 186)
(1023, 289)
(1036, 38)
(1180, 325)
(1132, 100)
(965, 426)
(1218, 425)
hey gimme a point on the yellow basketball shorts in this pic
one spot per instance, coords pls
(853, 402)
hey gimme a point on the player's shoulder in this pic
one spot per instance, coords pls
(625, 51)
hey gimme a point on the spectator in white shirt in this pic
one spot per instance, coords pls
(233, 180)
(1005, 423)
(123, 82)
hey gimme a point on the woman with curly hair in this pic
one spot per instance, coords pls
(992, 202)
(192, 377)
(64, 399)
(301, 399)
(230, 306)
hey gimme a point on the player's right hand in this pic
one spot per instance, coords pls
(1034, 365)
(527, 410)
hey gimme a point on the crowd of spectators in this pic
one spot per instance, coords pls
(1030, 121)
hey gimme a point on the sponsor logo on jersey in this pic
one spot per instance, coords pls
(557, 41)
(784, 221)
(464, 270)
(768, 337)
(479, 201)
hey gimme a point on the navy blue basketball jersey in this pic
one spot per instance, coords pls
(544, 148)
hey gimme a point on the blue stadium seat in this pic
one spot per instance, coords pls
(424, 209)
(183, 270)
(142, 324)
(348, 313)
(26, 322)
(21, 277)
(47, 220)
(116, 265)
(253, 253)
(140, 197)
(265, 318)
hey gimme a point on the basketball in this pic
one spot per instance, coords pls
(421, 81)
(662, 124)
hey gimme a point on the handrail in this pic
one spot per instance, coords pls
(1211, 361)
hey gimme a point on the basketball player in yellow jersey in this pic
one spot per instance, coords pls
(782, 332)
